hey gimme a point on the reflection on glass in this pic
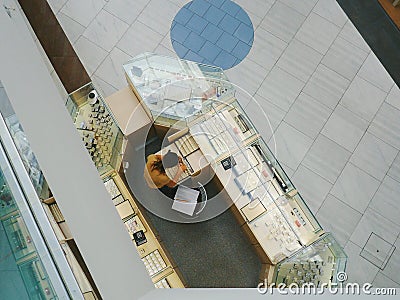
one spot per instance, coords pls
(175, 89)
(97, 127)
(318, 263)
(28, 158)
(29, 279)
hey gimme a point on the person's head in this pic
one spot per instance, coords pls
(169, 160)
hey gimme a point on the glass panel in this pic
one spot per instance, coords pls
(36, 283)
(97, 127)
(318, 263)
(174, 89)
(274, 165)
(24, 149)
(18, 253)
(18, 236)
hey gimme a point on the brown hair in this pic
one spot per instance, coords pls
(169, 160)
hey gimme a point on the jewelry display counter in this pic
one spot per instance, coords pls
(97, 128)
(196, 103)
(105, 142)
(162, 270)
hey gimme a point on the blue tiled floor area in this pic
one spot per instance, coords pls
(214, 32)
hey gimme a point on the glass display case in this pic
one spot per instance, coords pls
(175, 90)
(318, 263)
(97, 127)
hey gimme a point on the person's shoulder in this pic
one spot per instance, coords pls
(152, 157)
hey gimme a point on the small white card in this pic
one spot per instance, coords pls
(185, 200)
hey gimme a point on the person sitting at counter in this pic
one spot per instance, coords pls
(154, 171)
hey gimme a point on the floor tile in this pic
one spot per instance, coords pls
(393, 97)
(56, 5)
(167, 43)
(225, 60)
(105, 30)
(242, 96)
(161, 49)
(318, 33)
(265, 116)
(280, 88)
(111, 70)
(158, 19)
(229, 24)
(386, 200)
(355, 187)
(126, 10)
(392, 268)
(105, 88)
(326, 86)
(83, 12)
(374, 156)
(373, 71)
(304, 7)
(256, 7)
(248, 75)
(344, 58)
(256, 20)
(330, 10)
(351, 34)
(373, 222)
(212, 33)
(266, 49)
(201, 6)
(394, 170)
(386, 125)
(291, 145)
(345, 128)
(72, 29)
(358, 269)
(312, 187)
(363, 98)
(384, 281)
(377, 251)
(282, 21)
(214, 15)
(135, 40)
(195, 42)
(179, 2)
(90, 54)
(299, 60)
(326, 158)
(308, 115)
(197, 24)
(340, 224)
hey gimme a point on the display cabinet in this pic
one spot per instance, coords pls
(207, 124)
(319, 263)
(97, 127)
(160, 266)
(175, 91)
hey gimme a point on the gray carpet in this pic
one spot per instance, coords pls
(215, 253)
